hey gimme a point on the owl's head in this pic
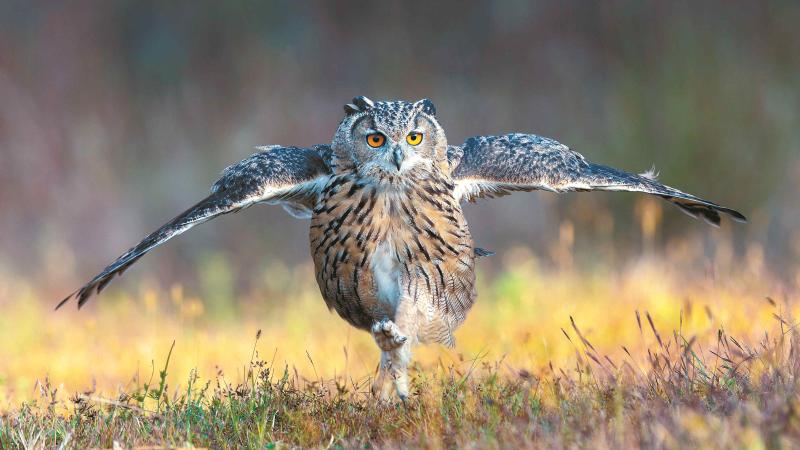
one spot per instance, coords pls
(389, 140)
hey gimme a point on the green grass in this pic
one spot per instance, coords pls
(726, 396)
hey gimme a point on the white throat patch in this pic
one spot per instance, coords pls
(386, 272)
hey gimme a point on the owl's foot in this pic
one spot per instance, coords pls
(387, 335)
(395, 356)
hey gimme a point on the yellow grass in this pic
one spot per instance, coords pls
(518, 320)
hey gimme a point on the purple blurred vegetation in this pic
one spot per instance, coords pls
(116, 115)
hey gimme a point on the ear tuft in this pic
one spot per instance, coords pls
(363, 102)
(426, 106)
(351, 109)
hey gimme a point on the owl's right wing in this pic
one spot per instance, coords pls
(290, 176)
(492, 166)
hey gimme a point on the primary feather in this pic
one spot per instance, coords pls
(491, 166)
(288, 175)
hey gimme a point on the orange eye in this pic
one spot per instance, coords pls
(414, 138)
(376, 140)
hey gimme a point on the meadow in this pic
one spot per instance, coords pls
(602, 322)
(669, 350)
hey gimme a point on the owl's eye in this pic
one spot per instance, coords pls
(375, 140)
(414, 138)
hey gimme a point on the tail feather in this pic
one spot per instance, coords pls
(482, 252)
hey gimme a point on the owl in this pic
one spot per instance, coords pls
(392, 250)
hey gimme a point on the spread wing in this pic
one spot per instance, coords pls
(291, 176)
(491, 166)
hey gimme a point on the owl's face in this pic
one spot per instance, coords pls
(389, 140)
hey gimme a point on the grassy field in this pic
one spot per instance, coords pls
(664, 352)
(606, 320)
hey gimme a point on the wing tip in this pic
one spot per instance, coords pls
(64, 301)
(82, 295)
(735, 215)
(93, 287)
(710, 214)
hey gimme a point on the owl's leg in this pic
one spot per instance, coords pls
(395, 356)
(394, 364)
(379, 385)
(400, 358)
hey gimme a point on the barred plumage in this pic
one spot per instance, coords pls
(417, 229)
(392, 250)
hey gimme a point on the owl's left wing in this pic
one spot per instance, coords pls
(492, 166)
(291, 176)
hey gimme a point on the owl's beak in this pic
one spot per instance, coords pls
(398, 156)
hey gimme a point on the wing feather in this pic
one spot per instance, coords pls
(288, 175)
(492, 166)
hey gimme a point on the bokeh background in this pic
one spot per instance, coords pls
(116, 115)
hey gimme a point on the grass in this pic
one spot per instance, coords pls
(739, 397)
(654, 354)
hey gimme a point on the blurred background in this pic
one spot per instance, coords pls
(117, 115)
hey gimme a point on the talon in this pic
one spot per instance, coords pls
(388, 335)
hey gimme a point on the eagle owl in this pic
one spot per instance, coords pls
(391, 247)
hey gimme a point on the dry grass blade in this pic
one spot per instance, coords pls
(580, 335)
(653, 327)
(639, 322)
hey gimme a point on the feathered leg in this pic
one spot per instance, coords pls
(395, 356)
